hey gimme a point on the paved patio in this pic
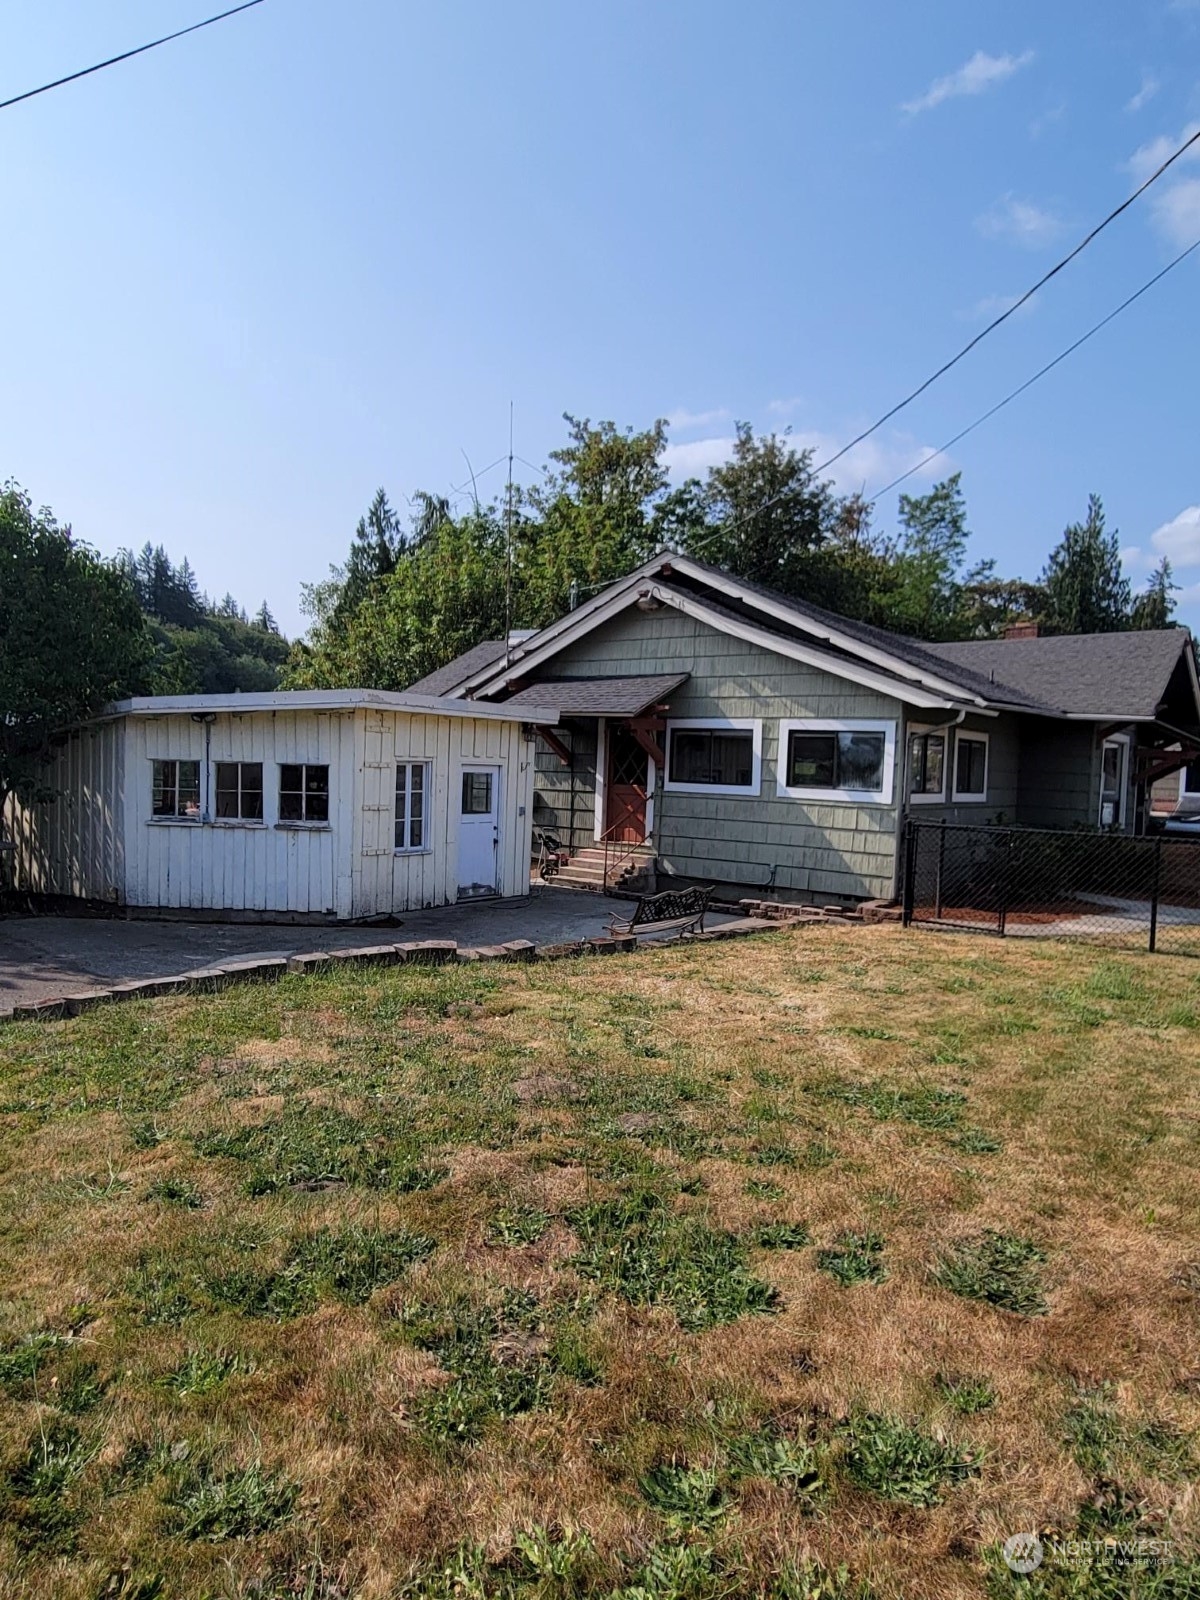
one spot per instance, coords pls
(42, 957)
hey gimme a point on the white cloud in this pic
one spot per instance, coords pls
(1179, 539)
(994, 305)
(1177, 212)
(785, 408)
(868, 465)
(1047, 120)
(981, 72)
(1134, 559)
(1021, 221)
(1150, 87)
(1147, 158)
(686, 420)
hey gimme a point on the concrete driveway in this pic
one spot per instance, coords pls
(42, 957)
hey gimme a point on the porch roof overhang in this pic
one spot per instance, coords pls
(599, 697)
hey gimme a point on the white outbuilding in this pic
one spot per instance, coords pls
(308, 804)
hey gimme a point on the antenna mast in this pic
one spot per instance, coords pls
(508, 547)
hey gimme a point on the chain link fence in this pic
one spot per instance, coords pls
(1138, 893)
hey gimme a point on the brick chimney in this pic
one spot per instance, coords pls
(1021, 630)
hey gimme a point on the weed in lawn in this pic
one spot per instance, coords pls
(159, 1292)
(997, 1268)
(854, 1258)
(1105, 1444)
(685, 1497)
(818, 1154)
(936, 1110)
(315, 1147)
(966, 1395)
(767, 1454)
(76, 1387)
(237, 1505)
(773, 1154)
(176, 1192)
(781, 1236)
(146, 1135)
(652, 1255)
(975, 1142)
(203, 1371)
(897, 1460)
(347, 1265)
(20, 1363)
(38, 1505)
(517, 1225)
(764, 1189)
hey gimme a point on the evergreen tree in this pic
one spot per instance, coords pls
(1086, 590)
(1154, 607)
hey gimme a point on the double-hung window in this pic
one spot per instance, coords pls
(970, 766)
(714, 757)
(836, 760)
(303, 793)
(412, 792)
(176, 790)
(926, 766)
(239, 791)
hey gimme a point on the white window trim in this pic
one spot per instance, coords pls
(750, 791)
(176, 819)
(858, 797)
(238, 821)
(304, 822)
(938, 799)
(967, 796)
(1121, 739)
(427, 847)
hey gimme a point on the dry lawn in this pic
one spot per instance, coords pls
(811, 1266)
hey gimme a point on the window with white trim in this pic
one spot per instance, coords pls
(239, 791)
(412, 792)
(176, 790)
(926, 766)
(714, 757)
(970, 766)
(837, 760)
(303, 792)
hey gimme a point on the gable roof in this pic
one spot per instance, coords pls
(1105, 677)
(599, 697)
(448, 678)
(1112, 675)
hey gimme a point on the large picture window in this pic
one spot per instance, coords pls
(239, 791)
(926, 766)
(176, 790)
(824, 760)
(970, 766)
(412, 789)
(303, 793)
(714, 757)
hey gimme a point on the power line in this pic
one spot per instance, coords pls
(127, 55)
(979, 337)
(1041, 373)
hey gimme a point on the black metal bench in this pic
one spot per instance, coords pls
(679, 911)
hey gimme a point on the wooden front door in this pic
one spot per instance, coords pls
(628, 769)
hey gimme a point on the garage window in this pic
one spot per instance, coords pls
(176, 791)
(239, 791)
(412, 790)
(303, 793)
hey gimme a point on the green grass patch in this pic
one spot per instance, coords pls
(317, 1146)
(854, 1258)
(781, 1236)
(966, 1395)
(233, 1505)
(898, 1460)
(641, 1248)
(176, 1192)
(687, 1497)
(1000, 1269)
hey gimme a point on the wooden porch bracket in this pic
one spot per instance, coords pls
(646, 731)
(549, 737)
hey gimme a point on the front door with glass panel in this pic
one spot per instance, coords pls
(1112, 783)
(627, 787)
(479, 832)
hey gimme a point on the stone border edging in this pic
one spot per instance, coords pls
(424, 952)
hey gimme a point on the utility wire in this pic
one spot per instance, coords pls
(1041, 373)
(127, 55)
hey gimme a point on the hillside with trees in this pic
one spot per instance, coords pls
(412, 595)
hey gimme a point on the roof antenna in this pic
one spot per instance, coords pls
(508, 547)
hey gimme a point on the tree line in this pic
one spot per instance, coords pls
(414, 593)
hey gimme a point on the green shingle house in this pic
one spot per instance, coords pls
(715, 730)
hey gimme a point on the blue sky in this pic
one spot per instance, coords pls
(252, 275)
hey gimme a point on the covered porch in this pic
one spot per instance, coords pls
(599, 775)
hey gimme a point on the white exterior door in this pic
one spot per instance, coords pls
(479, 832)
(1114, 759)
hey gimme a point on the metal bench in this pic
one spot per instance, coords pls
(679, 911)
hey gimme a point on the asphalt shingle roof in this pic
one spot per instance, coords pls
(598, 697)
(448, 678)
(1093, 674)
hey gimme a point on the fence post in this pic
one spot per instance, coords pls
(908, 888)
(1158, 844)
(1002, 908)
(941, 863)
